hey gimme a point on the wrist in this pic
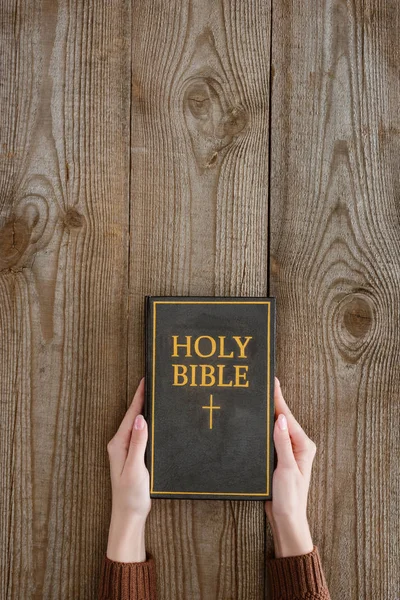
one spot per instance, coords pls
(126, 539)
(292, 537)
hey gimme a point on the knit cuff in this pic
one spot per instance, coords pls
(128, 581)
(295, 576)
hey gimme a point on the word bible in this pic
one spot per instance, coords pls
(204, 374)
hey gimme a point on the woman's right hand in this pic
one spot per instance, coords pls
(287, 511)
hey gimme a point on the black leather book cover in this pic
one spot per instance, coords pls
(210, 364)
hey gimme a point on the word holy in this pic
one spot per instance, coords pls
(206, 375)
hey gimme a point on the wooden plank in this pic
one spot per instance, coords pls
(64, 171)
(199, 222)
(335, 268)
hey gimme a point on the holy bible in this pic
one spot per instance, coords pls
(209, 389)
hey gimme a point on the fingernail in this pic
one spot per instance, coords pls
(139, 422)
(282, 423)
(277, 381)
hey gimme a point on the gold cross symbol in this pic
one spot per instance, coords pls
(211, 407)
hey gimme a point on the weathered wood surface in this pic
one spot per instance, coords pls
(65, 125)
(335, 269)
(135, 143)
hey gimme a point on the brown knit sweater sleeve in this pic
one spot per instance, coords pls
(297, 577)
(128, 581)
(291, 578)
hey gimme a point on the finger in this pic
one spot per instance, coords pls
(283, 443)
(138, 442)
(118, 446)
(304, 449)
(123, 434)
(305, 459)
(297, 433)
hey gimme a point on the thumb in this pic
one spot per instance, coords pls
(138, 441)
(283, 443)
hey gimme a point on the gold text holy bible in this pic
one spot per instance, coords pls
(210, 364)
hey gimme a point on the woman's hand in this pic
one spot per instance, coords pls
(287, 511)
(131, 501)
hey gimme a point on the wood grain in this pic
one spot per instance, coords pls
(134, 153)
(199, 225)
(64, 172)
(335, 269)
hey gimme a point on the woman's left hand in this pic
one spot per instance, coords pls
(131, 501)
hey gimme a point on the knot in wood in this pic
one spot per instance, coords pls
(213, 120)
(357, 317)
(353, 324)
(235, 120)
(14, 239)
(73, 219)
